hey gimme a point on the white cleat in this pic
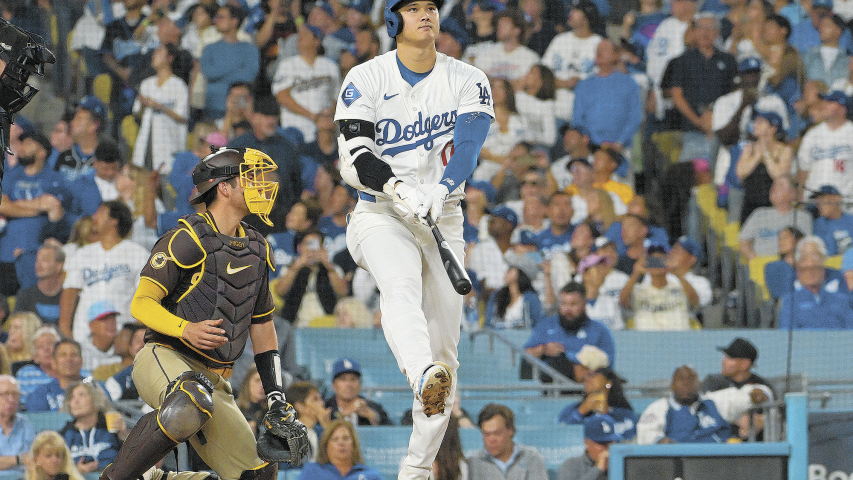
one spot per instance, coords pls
(434, 388)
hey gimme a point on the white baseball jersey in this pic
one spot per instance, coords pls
(569, 56)
(414, 125)
(104, 275)
(666, 44)
(312, 86)
(496, 62)
(828, 157)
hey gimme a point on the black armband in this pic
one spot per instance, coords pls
(372, 171)
(269, 369)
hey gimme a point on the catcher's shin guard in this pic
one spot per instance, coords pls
(267, 471)
(145, 446)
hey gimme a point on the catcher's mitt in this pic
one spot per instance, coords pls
(285, 439)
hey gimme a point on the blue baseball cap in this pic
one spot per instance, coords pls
(506, 213)
(838, 97)
(485, 187)
(451, 26)
(774, 118)
(654, 247)
(101, 310)
(600, 428)
(826, 190)
(94, 105)
(690, 245)
(345, 365)
(823, 4)
(487, 6)
(361, 6)
(749, 64)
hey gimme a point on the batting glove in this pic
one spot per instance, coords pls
(433, 203)
(406, 199)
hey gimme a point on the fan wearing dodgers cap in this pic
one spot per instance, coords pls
(685, 254)
(732, 112)
(347, 402)
(412, 122)
(833, 225)
(825, 156)
(599, 432)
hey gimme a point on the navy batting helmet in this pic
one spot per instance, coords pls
(393, 19)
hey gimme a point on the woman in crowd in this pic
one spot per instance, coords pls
(50, 459)
(251, 399)
(339, 457)
(163, 104)
(19, 345)
(535, 100)
(603, 393)
(762, 161)
(516, 304)
(507, 130)
(450, 463)
(93, 446)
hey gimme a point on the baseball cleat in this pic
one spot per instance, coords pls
(434, 388)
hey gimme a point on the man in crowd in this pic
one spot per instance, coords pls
(33, 198)
(558, 339)
(41, 371)
(99, 186)
(43, 297)
(67, 361)
(18, 432)
(313, 413)
(736, 388)
(347, 402)
(833, 225)
(815, 303)
(825, 156)
(758, 235)
(683, 417)
(501, 457)
(88, 122)
(98, 346)
(106, 269)
(599, 432)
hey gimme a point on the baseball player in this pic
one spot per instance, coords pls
(203, 292)
(412, 123)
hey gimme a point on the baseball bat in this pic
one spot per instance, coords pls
(455, 271)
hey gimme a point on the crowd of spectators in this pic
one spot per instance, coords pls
(576, 218)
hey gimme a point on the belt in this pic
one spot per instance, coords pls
(224, 372)
(367, 197)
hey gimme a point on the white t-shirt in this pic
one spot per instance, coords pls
(311, 86)
(539, 116)
(168, 137)
(569, 56)
(104, 275)
(500, 143)
(498, 63)
(828, 157)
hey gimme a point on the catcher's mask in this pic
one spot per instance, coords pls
(24, 54)
(254, 169)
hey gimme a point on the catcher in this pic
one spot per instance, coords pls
(203, 292)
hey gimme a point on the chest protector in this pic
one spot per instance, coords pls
(224, 282)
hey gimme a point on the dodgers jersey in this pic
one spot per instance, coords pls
(414, 124)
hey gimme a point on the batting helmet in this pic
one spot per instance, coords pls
(393, 19)
(250, 165)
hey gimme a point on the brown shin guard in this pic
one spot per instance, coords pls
(144, 447)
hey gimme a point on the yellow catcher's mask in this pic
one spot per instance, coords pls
(255, 169)
(259, 183)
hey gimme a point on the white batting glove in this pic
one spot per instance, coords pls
(406, 199)
(433, 203)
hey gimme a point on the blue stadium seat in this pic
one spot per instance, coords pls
(47, 420)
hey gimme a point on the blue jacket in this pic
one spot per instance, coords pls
(624, 419)
(704, 425)
(327, 471)
(96, 443)
(591, 332)
(600, 100)
(836, 234)
(87, 197)
(780, 277)
(829, 310)
(16, 443)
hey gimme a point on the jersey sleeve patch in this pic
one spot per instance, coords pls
(350, 94)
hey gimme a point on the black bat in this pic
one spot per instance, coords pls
(455, 271)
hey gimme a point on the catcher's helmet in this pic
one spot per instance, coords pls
(393, 19)
(252, 166)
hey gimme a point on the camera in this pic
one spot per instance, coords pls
(655, 262)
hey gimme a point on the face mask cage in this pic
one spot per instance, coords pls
(259, 183)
